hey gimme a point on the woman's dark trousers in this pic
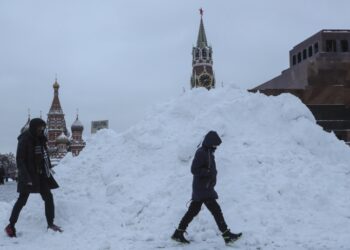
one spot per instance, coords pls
(46, 195)
(194, 209)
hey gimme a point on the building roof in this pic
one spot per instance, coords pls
(310, 66)
(77, 125)
(62, 139)
(202, 38)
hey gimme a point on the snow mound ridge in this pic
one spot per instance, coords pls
(282, 180)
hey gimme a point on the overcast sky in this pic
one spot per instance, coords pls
(115, 59)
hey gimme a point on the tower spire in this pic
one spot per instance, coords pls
(202, 38)
(56, 86)
(56, 105)
(202, 60)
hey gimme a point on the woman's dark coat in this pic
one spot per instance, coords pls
(27, 171)
(204, 169)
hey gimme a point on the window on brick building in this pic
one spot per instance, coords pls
(304, 54)
(331, 46)
(197, 54)
(344, 45)
(204, 53)
(299, 57)
(316, 48)
(310, 51)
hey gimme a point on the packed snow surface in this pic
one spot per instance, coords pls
(282, 180)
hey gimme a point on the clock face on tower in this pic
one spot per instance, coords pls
(205, 80)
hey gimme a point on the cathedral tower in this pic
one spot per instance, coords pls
(202, 61)
(56, 125)
(61, 146)
(77, 142)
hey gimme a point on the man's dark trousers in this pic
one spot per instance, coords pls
(195, 208)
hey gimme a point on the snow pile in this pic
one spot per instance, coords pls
(282, 180)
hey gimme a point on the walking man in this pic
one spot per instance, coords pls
(204, 180)
(34, 174)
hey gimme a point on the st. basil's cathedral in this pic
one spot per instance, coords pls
(60, 141)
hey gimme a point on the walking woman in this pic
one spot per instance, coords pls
(34, 174)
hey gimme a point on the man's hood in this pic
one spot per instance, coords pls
(211, 139)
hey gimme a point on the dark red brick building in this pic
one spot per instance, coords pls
(319, 74)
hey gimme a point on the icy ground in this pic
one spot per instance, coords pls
(8, 191)
(282, 180)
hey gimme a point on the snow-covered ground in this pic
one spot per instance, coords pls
(282, 180)
(8, 191)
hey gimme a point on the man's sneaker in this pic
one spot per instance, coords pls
(179, 236)
(54, 228)
(230, 237)
(10, 231)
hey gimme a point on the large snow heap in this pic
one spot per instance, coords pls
(282, 180)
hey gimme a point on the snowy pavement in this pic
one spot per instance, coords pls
(8, 191)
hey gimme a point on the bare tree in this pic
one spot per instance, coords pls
(8, 165)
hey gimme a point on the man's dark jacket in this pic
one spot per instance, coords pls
(204, 169)
(27, 170)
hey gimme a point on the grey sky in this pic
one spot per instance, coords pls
(115, 59)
